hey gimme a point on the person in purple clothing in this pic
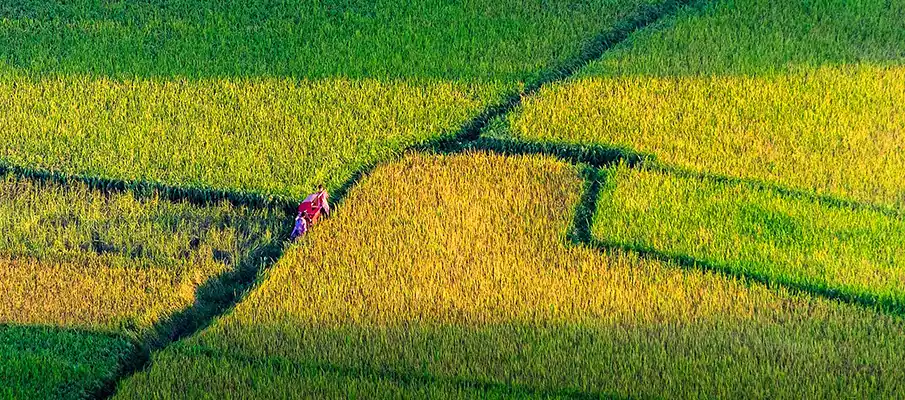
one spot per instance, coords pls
(302, 221)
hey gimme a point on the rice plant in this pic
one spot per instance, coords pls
(48, 363)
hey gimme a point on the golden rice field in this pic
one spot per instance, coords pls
(265, 135)
(451, 276)
(91, 293)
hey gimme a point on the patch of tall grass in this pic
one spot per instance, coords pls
(452, 276)
(755, 231)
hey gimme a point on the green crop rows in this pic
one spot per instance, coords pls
(185, 93)
(627, 198)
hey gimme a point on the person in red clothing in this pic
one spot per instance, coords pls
(316, 204)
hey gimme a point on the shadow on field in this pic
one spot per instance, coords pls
(685, 261)
(586, 209)
(214, 297)
(580, 234)
(145, 189)
(412, 379)
(209, 39)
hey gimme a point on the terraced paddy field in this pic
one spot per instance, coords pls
(542, 199)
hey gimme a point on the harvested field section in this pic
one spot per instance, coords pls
(452, 276)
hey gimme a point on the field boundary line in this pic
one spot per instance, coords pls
(146, 189)
(784, 191)
(851, 297)
(580, 234)
(601, 156)
(400, 377)
(593, 49)
(469, 135)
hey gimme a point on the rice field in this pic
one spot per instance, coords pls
(712, 208)
(506, 40)
(451, 276)
(274, 136)
(755, 231)
(185, 93)
(88, 277)
(42, 362)
(745, 89)
(762, 38)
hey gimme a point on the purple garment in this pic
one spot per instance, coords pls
(301, 226)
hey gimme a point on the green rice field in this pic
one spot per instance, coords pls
(807, 95)
(113, 89)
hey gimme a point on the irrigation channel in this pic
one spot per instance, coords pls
(220, 294)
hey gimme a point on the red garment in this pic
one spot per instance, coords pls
(315, 204)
